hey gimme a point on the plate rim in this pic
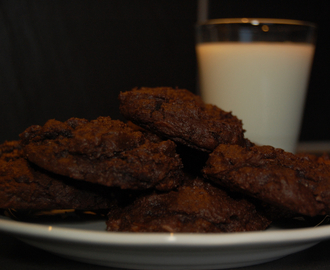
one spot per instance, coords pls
(59, 233)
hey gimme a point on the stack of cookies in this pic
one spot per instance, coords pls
(177, 165)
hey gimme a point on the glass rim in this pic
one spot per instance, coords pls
(256, 21)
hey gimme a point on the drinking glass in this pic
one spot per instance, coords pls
(259, 70)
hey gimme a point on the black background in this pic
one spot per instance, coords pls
(62, 59)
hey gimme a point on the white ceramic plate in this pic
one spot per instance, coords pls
(89, 242)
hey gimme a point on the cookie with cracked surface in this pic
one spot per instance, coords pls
(196, 206)
(181, 116)
(294, 182)
(103, 151)
(26, 186)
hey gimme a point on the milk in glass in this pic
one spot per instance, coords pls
(262, 83)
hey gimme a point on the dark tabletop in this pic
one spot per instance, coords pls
(16, 255)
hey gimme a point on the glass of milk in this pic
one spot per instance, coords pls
(259, 70)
